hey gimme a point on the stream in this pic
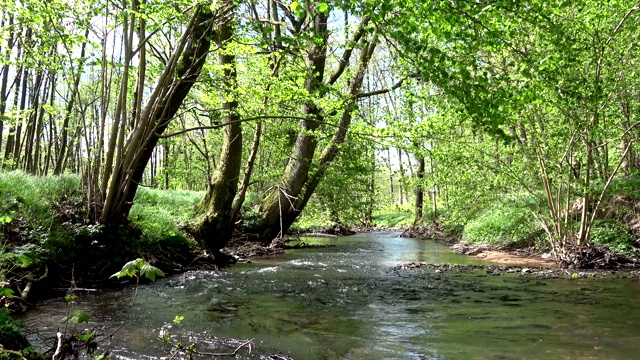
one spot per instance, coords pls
(347, 302)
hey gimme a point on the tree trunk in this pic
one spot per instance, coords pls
(33, 124)
(62, 154)
(289, 205)
(402, 180)
(174, 84)
(391, 187)
(20, 118)
(50, 89)
(217, 224)
(4, 77)
(279, 201)
(417, 220)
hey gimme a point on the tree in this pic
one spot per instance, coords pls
(179, 75)
(285, 201)
(217, 224)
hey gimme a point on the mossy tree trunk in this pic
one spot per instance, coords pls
(216, 225)
(285, 202)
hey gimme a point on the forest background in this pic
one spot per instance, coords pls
(158, 127)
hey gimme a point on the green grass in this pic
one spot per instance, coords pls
(160, 214)
(33, 220)
(33, 197)
(393, 216)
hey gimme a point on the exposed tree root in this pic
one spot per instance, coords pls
(596, 257)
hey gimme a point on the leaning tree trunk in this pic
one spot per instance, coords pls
(333, 148)
(284, 205)
(279, 201)
(175, 82)
(215, 227)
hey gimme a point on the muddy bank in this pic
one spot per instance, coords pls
(530, 256)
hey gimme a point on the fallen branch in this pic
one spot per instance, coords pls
(30, 281)
(248, 342)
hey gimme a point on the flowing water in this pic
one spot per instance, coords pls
(347, 302)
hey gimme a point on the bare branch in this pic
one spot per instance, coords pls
(381, 91)
(349, 49)
(217, 126)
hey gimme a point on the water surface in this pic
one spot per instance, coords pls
(347, 302)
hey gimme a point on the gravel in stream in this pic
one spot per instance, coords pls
(497, 270)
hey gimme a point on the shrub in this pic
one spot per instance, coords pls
(614, 234)
(504, 224)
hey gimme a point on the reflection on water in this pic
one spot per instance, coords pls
(345, 302)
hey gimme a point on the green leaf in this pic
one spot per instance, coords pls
(6, 292)
(24, 260)
(86, 336)
(129, 269)
(323, 8)
(297, 9)
(77, 317)
(150, 272)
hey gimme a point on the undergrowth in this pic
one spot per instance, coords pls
(393, 217)
(614, 234)
(506, 222)
(162, 214)
(44, 219)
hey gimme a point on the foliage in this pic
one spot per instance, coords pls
(498, 98)
(504, 224)
(393, 217)
(12, 336)
(627, 186)
(139, 268)
(615, 235)
(10, 327)
(77, 317)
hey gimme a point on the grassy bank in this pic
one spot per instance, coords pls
(44, 226)
(44, 231)
(513, 220)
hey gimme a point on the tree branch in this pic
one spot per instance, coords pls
(624, 19)
(217, 126)
(381, 91)
(349, 49)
